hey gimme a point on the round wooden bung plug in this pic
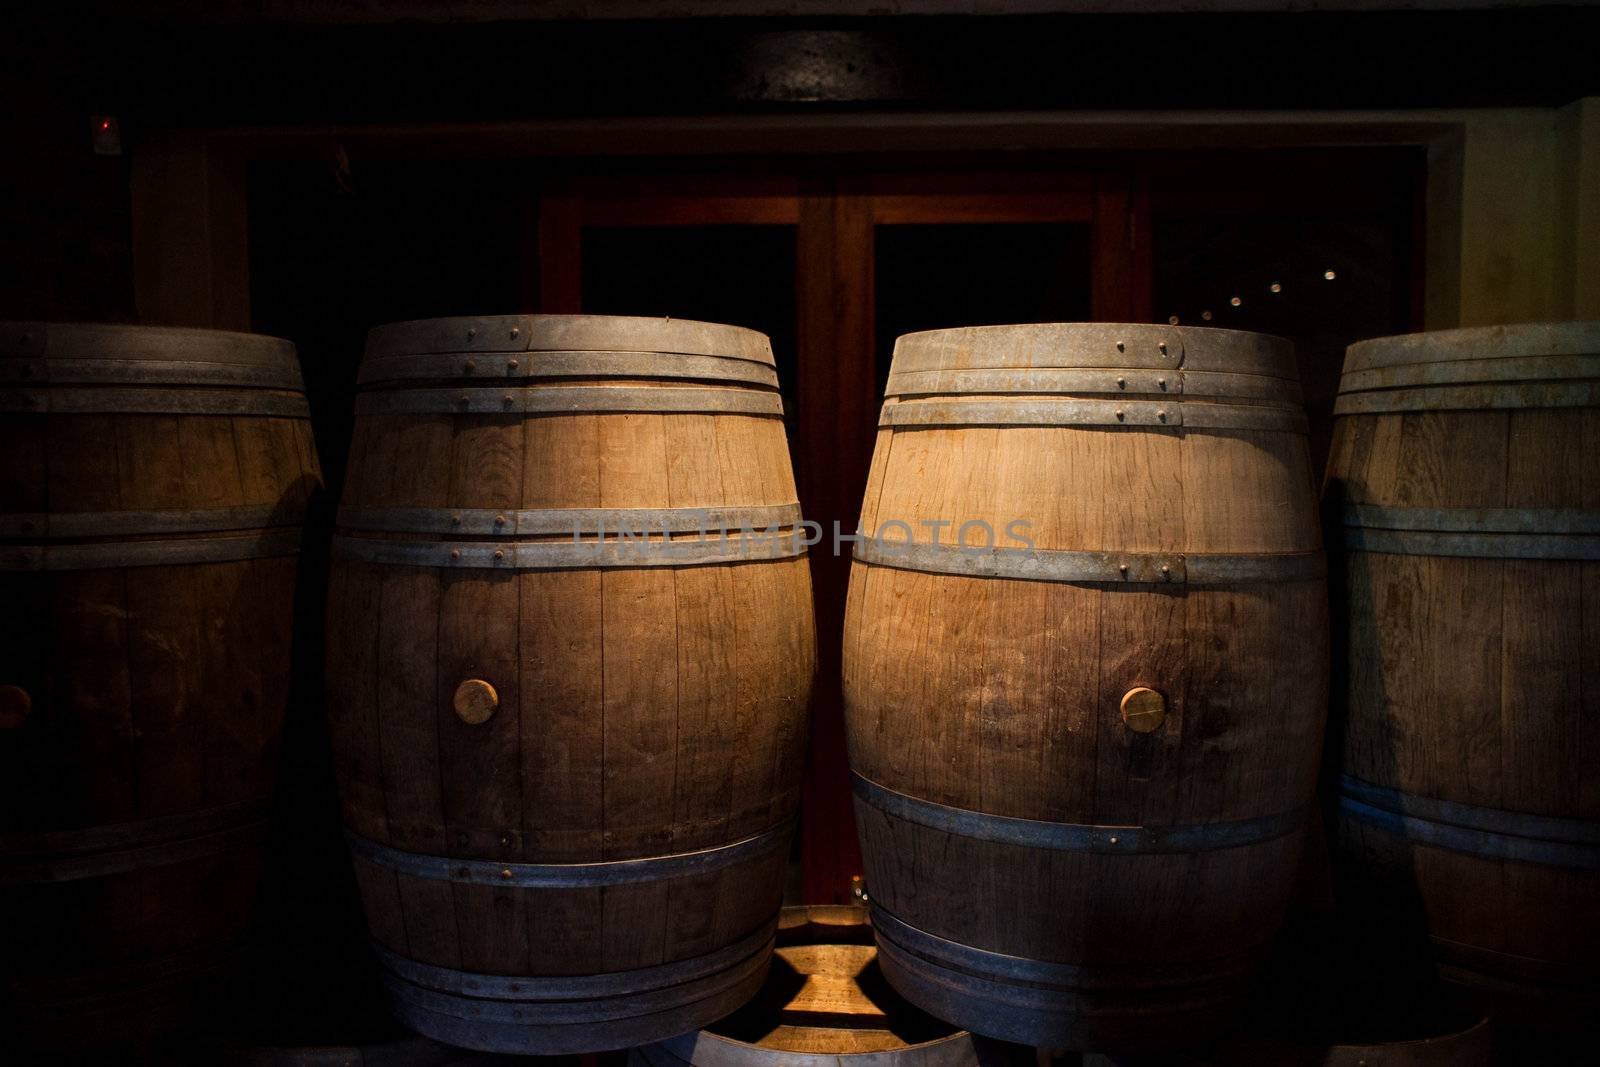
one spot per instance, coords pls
(1143, 710)
(15, 703)
(475, 701)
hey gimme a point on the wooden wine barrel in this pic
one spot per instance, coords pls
(1085, 713)
(1463, 473)
(569, 757)
(153, 483)
(825, 1004)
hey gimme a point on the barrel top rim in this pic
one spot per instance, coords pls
(87, 339)
(1154, 327)
(1502, 341)
(568, 333)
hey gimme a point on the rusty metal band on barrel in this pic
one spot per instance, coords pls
(968, 964)
(112, 371)
(573, 521)
(109, 400)
(439, 986)
(525, 399)
(1076, 837)
(98, 851)
(1484, 533)
(568, 875)
(514, 366)
(277, 541)
(1573, 844)
(1072, 411)
(1061, 565)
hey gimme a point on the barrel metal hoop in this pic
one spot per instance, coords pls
(513, 366)
(1077, 837)
(164, 521)
(71, 867)
(1025, 380)
(636, 551)
(276, 541)
(112, 837)
(577, 987)
(1067, 411)
(1510, 835)
(1585, 394)
(1061, 565)
(1474, 545)
(1108, 381)
(1475, 520)
(572, 521)
(112, 371)
(112, 401)
(1520, 369)
(569, 400)
(568, 875)
(567, 333)
(1049, 976)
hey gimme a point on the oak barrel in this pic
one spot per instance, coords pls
(1463, 477)
(569, 756)
(1085, 713)
(825, 1004)
(153, 484)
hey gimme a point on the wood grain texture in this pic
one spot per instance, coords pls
(158, 693)
(643, 711)
(1472, 681)
(1003, 696)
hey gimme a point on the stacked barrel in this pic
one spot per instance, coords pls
(154, 484)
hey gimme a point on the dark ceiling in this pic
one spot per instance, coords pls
(178, 71)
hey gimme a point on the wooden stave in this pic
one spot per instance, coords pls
(932, 981)
(744, 907)
(1508, 539)
(212, 541)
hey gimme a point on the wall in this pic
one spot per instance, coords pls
(1514, 217)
